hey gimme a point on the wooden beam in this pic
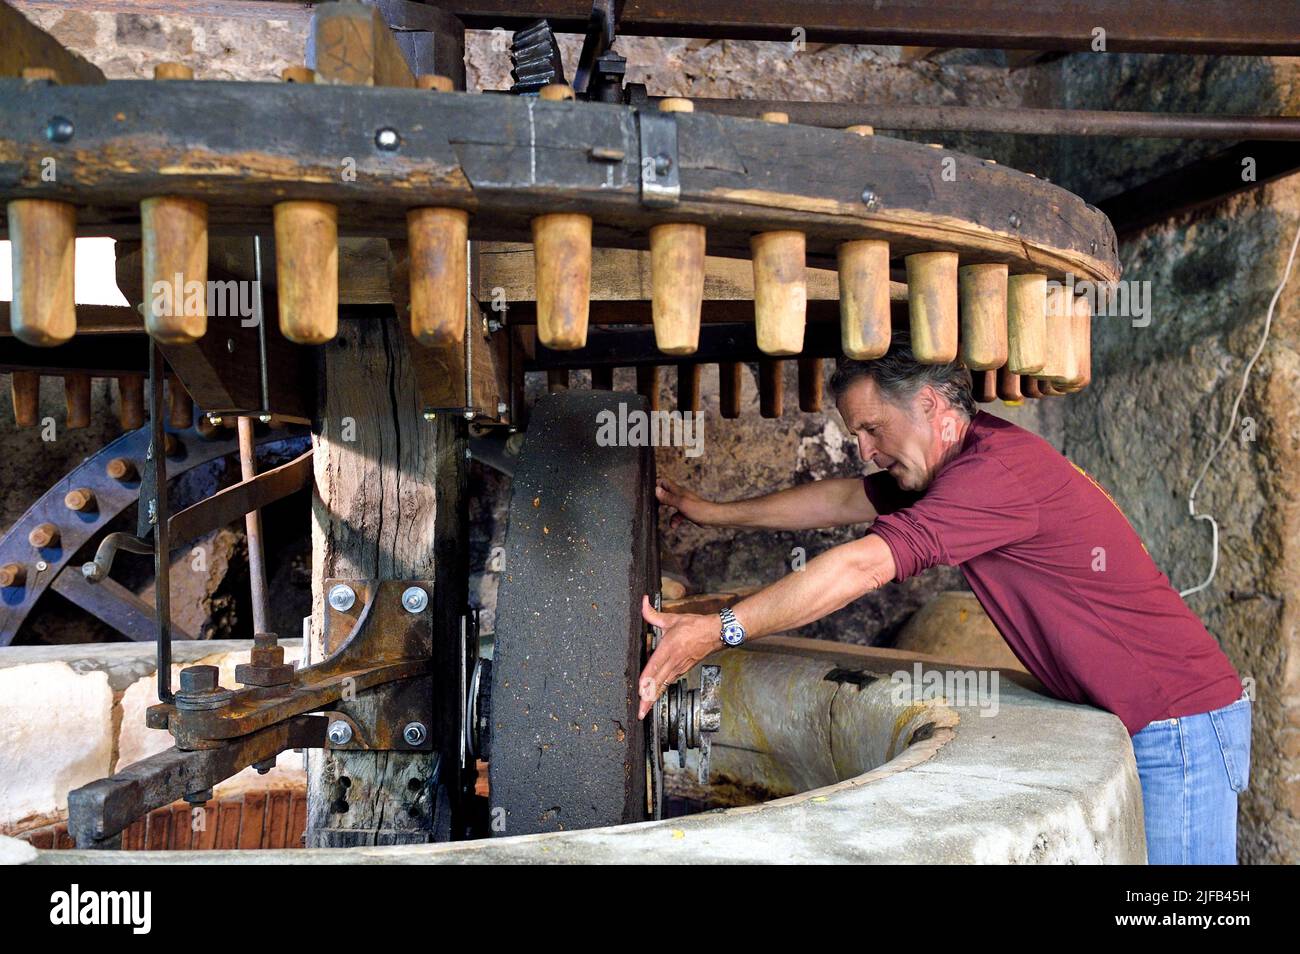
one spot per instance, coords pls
(1200, 183)
(351, 44)
(1201, 26)
(23, 44)
(390, 504)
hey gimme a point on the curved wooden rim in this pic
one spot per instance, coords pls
(244, 146)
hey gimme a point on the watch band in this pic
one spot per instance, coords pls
(732, 631)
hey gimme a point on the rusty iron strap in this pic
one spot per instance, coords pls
(231, 504)
(100, 811)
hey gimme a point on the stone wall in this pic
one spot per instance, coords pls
(1168, 390)
(100, 694)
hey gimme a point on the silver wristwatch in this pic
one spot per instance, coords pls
(733, 634)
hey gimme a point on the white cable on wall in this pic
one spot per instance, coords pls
(1232, 426)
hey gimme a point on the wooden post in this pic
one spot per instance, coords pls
(389, 504)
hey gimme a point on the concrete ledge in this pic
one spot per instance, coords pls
(1015, 778)
(72, 714)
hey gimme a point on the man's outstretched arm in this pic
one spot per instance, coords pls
(829, 581)
(817, 505)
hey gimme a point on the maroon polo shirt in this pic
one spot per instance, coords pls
(1061, 573)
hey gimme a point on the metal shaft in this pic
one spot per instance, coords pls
(161, 540)
(253, 527)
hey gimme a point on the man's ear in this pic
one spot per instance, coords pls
(928, 402)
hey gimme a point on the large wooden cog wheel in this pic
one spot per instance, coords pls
(985, 250)
(567, 749)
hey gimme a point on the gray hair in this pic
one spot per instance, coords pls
(899, 376)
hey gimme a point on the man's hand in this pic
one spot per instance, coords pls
(690, 506)
(687, 638)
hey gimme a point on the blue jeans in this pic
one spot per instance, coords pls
(1191, 769)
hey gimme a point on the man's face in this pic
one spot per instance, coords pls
(899, 439)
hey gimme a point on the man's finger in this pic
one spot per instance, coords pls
(650, 614)
(654, 676)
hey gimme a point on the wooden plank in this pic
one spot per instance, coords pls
(229, 812)
(252, 820)
(23, 44)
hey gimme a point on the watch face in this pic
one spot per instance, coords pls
(733, 634)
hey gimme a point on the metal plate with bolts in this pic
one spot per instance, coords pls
(386, 717)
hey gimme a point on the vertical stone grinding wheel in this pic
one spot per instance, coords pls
(567, 750)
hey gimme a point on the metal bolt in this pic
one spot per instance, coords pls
(342, 597)
(501, 407)
(214, 420)
(153, 512)
(1014, 219)
(414, 733)
(870, 199)
(201, 797)
(430, 415)
(41, 566)
(199, 678)
(469, 415)
(387, 139)
(663, 163)
(339, 733)
(415, 599)
(264, 418)
(59, 129)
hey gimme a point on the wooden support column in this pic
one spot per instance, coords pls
(389, 504)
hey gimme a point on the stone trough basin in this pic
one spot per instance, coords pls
(828, 753)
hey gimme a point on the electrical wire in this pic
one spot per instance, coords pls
(1232, 426)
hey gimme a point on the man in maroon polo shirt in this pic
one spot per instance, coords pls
(1050, 557)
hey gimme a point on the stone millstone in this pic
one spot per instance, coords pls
(567, 749)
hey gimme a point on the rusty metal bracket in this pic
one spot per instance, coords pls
(380, 718)
(99, 812)
(232, 503)
(387, 641)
